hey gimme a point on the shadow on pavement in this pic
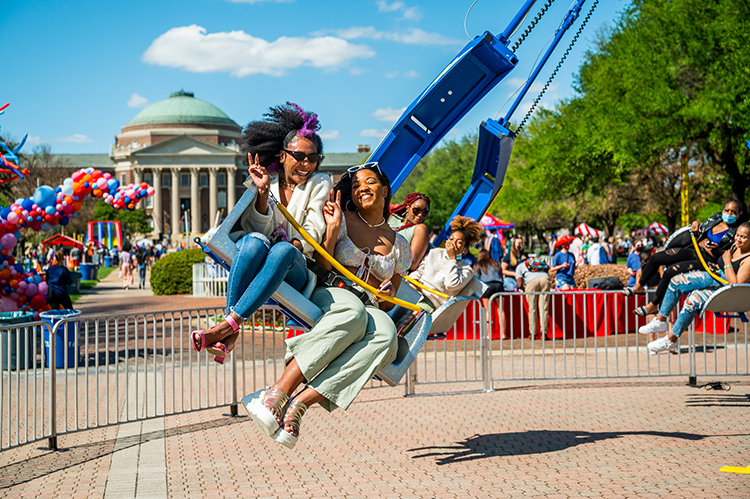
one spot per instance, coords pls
(528, 442)
(53, 461)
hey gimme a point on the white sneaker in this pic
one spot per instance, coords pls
(655, 326)
(664, 344)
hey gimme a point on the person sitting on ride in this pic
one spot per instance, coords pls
(564, 264)
(444, 270)
(272, 251)
(351, 341)
(408, 220)
(714, 237)
(736, 269)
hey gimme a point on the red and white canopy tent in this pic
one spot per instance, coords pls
(60, 240)
(586, 230)
(653, 229)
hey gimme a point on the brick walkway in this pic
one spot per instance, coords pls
(601, 438)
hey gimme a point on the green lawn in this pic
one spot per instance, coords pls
(90, 283)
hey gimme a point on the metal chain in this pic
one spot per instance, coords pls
(557, 68)
(532, 24)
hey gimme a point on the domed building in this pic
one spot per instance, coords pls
(188, 150)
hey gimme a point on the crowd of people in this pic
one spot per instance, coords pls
(380, 243)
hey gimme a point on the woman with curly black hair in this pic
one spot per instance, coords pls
(283, 153)
(443, 269)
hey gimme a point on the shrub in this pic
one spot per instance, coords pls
(173, 274)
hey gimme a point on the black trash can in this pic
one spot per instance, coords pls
(17, 343)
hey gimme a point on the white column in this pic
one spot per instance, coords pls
(231, 172)
(213, 191)
(175, 198)
(195, 202)
(138, 172)
(157, 209)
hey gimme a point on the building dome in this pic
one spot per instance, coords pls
(181, 108)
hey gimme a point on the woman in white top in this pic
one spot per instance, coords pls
(442, 269)
(272, 251)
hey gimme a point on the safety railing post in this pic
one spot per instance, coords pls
(233, 409)
(484, 350)
(693, 377)
(52, 359)
(411, 380)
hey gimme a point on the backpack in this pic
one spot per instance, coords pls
(536, 265)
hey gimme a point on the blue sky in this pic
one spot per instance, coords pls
(76, 72)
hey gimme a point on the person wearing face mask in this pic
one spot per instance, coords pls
(714, 237)
(408, 220)
(564, 264)
(444, 270)
(283, 153)
(510, 261)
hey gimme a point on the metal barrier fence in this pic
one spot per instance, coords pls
(589, 334)
(209, 280)
(112, 369)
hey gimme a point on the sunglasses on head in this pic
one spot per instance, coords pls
(300, 156)
(374, 164)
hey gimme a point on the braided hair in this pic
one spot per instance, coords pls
(269, 136)
(400, 209)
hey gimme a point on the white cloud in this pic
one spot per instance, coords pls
(377, 133)
(411, 36)
(34, 139)
(329, 134)
(76, 138)
(391, 74)
(384, 6)
(411, 74)
(408, 13)
(137, 101)
(241, 54)
(388, 114)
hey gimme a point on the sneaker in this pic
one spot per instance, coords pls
(655, 326)
(663, 344)
(675, 348)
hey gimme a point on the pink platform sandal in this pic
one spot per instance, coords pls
(219, 349)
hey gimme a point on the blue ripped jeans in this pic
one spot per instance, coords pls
(257, 272)
(693, 282)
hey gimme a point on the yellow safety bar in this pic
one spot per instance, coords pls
(341, 268)
(705, 266)
(426, 288)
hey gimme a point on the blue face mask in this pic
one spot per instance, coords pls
(728, 219)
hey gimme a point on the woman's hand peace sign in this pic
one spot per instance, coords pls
(259, 174)
(332, 211)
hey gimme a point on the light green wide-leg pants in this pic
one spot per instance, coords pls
(345, 347)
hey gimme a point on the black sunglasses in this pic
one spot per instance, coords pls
(300, 156)
(419, 211)
(374, 164)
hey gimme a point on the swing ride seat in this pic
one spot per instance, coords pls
(730, 302)
(221, 246)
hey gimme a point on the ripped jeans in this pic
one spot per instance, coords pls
(257, 271)
(695, 281)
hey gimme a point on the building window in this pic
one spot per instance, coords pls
(166, 179)
(222, 179)
(203, 182)
(148, 178)
(184, 180)
(149, 202)
(222, 199)
(122, 179)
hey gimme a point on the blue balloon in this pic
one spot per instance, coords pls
(64, 221)
(19, 267)
(45, 196)
(4, 213)
(27, 204)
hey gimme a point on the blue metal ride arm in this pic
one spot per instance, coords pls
(481, 65)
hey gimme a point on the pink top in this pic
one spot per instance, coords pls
(381, 266)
